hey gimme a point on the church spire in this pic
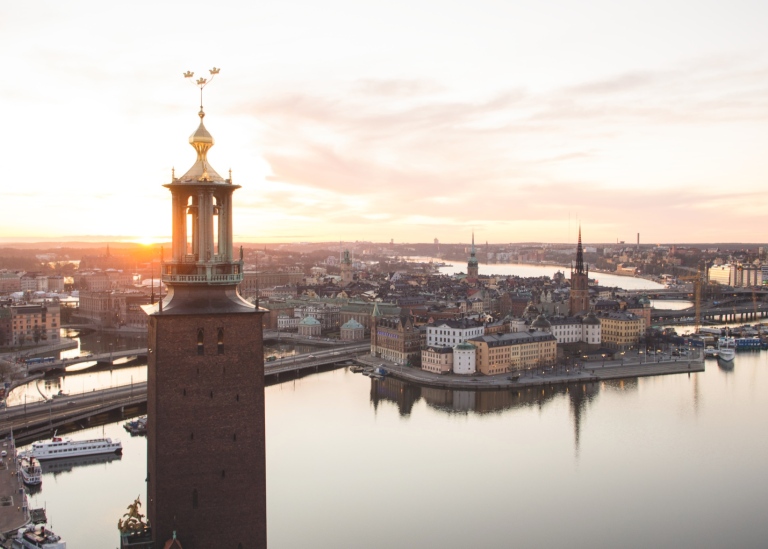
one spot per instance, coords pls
(579, 255)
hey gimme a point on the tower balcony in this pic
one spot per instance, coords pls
(206, 278)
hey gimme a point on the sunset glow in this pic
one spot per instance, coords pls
(403, 120)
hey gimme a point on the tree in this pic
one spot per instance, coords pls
(36, 334)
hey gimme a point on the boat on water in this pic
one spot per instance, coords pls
(710, 351)
(31, 472)
(63, 447)
(136, 426)
(38, 537)
(726, 349)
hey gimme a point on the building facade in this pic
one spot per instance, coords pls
(35, 323)
(395, 338)
(504, 353)
(621, 330)
(443, 333)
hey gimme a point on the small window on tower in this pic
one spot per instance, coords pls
(220, 342)
(200, 346)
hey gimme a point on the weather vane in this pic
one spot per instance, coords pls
(201, 83)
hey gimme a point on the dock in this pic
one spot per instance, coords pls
(14, 509)
(525, 379)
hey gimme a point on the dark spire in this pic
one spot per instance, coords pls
(579, 256)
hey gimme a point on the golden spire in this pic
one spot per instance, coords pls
(201, 140)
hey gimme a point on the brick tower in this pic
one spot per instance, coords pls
(206, 481)
(579, 282)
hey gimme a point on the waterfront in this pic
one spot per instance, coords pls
(664, 461)
(528, 270)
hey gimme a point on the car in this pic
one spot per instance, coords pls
(312, 356)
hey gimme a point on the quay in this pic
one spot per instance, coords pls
(540, 377)
(14, 510)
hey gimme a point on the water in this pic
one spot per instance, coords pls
(672, 461)
(525, 270)
(671, 304)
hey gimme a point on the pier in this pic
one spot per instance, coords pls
(14, 510)
(588, 372)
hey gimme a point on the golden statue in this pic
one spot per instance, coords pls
(134, 520)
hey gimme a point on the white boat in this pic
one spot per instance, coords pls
(65, 447)
(710, 351)
(726, 348)
(31, 472)
(38, 537)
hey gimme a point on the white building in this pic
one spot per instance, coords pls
(447, 333)
(573, 329)
(464, 359)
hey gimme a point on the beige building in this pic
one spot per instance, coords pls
(621, 330)
(438, 360)
(352, 330)
(310, 326)
(503, 353)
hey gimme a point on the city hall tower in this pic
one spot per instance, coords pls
(206, 481)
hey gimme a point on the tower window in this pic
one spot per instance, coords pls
(200, 344)
(220, 341)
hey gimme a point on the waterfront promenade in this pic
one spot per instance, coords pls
(587, 372)
(14, 511)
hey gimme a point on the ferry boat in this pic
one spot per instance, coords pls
(31, 472)
(726, 349)
(59, 447)
(710, 351)
(38, 537)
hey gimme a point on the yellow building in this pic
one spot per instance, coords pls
(621, 330)
(502, 353)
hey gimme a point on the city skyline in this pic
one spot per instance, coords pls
(399, 121)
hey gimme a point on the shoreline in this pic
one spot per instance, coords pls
(528, 379)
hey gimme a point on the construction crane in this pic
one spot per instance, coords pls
(696, 279)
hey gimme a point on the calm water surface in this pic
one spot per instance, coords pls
(526, 270)
(673, 461)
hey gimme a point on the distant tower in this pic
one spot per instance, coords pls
(206, 481)
(579, 282)
(375, 318)
(346, 269)
(472, 268)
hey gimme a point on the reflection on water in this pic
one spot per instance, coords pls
(667, 461)
(66, 465)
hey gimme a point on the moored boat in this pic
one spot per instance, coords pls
(59, 447)
(136, 426)
(38, 537)
(726, 349)
(31, 473)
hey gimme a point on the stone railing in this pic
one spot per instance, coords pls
(203, 279)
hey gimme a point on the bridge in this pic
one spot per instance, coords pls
(729, 312)
(99, 358)
(40, 418)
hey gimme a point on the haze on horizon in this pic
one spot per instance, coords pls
(400, 120)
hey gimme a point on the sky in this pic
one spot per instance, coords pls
(406, 120)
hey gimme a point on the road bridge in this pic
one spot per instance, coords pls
(43, 417)
(731, 312)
